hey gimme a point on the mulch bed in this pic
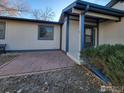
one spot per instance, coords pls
(69, 80)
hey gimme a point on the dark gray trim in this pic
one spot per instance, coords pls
(61, 37)
(113, 2)
(4, 23)
(39, 38)
(97, 32)
(28, 20)
(67, 34)
(65, 10)
(35, 50)
(81, 5)
(99, 8)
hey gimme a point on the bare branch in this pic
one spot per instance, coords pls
(47, 14)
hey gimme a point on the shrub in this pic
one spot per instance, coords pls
(109, 59)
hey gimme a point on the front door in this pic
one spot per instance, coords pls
(89, 39)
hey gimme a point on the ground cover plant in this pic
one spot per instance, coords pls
(109, 59)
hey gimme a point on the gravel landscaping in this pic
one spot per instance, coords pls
(4, 58)
(68, 80)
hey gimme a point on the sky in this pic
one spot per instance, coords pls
(58, 5)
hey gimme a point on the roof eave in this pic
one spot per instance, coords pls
(28, 20)
(94, 8)
(112, 3)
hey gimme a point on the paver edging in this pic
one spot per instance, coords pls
(33, 73)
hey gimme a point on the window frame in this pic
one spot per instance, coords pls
(92, 36)
(4, 30)
(40, 38)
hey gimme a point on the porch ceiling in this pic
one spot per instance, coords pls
(96, 15)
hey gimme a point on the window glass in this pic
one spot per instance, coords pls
(2, 30)
(46, 33)
(88, 31)
(88, 39)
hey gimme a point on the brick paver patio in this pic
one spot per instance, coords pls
(35, 62)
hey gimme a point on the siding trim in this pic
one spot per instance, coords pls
(67, 34)
(60, 37)
(33, 50)
(4, 30)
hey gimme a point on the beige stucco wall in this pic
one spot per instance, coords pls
(64, 35)
(24, 36)
(74, 39)
(112, 32)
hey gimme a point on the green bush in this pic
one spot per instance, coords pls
(109, 59)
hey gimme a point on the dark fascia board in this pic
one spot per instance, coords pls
(28, 20)
(100, 8)
(113, 2)
(93, 7)
(67, 9)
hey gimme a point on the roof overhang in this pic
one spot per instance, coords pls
(113, 2)
(94, 10)
(96, 15)
(28, 20)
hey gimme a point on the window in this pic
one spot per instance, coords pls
(89, 37)
(46, 32)
(2, 30)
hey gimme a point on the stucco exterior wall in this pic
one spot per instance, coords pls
(64, 35)
(24, 36)
(74, 39)
(112, 32)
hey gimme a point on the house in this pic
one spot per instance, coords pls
(81, 25)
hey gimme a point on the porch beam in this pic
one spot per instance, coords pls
(102, 16)
(97, 15)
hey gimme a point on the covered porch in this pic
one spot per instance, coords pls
(89, 17)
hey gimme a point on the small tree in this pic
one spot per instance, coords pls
(47, 14)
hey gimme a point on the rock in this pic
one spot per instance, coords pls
(19, 91)
(7, 92)
(81, 88)
(60, 81)
(45, 87)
